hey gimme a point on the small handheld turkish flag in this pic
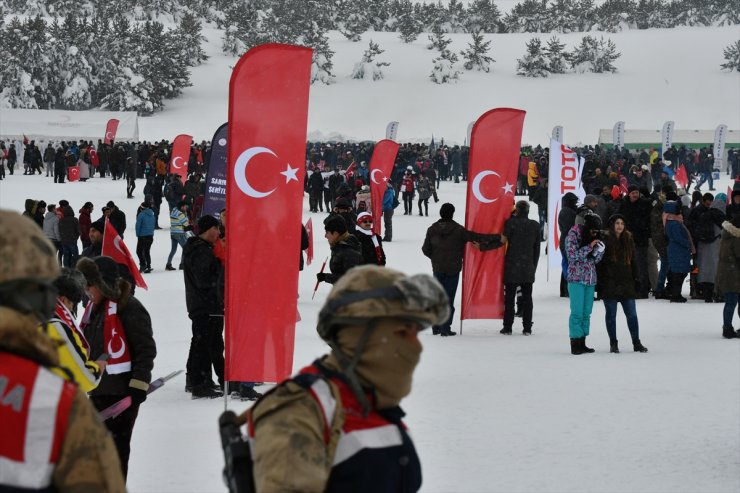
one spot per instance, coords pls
(115, 248)
(73, 173)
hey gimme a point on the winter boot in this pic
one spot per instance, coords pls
(505, 331)
(575, 346)
(205, 391)
(728, 332)
(614, 346)
(446, 332)
(169, 267)
(585, 348)
(638, 347)
(527, 331)
(248, 394)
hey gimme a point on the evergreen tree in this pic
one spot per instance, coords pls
(456, 17)
(408, 26)
(649, 14)
(368, 68)
(615, 15)
(585, 12)
(321, 63)
(476, 55)
(189, 39)
(533, 64)
(444, 71)
(378, 14)
(244, 28)
(529, 16)
(594, 56)
(437, 40)
(563, 16)
(483, 15)
(732, 57)
(74, 87)
(557, 57)
(355, 22)
(16, 87)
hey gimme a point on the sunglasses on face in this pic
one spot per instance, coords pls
(366, 222)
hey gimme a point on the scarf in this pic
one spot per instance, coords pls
(376, 243)
(62, 313)
(114, 338)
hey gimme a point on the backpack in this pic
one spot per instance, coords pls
(704, 231)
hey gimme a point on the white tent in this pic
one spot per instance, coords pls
(57, 125)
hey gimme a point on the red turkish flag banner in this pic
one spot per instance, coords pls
(492, 171)
(73, 173)
(381, 167)
(268, 117)
(115, 248)
(681, 177)
(110, 131)
(180, 156)
(309, 250)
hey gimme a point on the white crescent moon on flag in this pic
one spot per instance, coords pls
(174, 163)
(476, 186)
(109, 135)
(117, 244)
(240, 171)
(372, 175)
(116, 354)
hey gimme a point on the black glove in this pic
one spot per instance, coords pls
(137, 395)
(321, 277)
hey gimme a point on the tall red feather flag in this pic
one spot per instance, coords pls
(115, 248)
(492, 170)
(111, 128)
(681, 177)
(381, 167)
(309, 250)
(181, 155)
(268, 117)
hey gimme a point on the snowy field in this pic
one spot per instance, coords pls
(663, 74)
(488, 413)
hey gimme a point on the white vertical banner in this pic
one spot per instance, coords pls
(564, 176)
(618, 135)
(557, 133)
(666, 137)
(470, 132)
(391, 131)
(720, 136)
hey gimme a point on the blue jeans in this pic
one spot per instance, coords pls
(581, 304)
(704, 178)
(70, 254)
(731, 301)
(176, 239)
(630, 311)
(449, 283)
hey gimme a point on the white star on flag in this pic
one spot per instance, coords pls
(508, 188)
(290, 173)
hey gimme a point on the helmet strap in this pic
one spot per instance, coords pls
(348, 366)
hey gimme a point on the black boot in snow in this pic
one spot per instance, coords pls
(728, 332)
(505, 331)
(638, 347)
(575, 346)
(585, 348)
(614, 346)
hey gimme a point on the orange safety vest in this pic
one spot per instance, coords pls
(34, 411)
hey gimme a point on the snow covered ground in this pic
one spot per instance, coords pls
(489, 413)
(664, 74)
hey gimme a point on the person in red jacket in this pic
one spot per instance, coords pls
(85, 222)
(407, 191)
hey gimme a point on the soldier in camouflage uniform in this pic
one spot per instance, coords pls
(52, 437)
(336, 426)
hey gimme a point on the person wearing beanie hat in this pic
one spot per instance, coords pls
(180, 230)
(145, 223)
(617, 276)
(204, 288)
(636, 211)
(444, 245)
(375, 348)
(584, 249)
(80, 455)
(346, 251)
(117, 218)
(117, 324)
(566, 220)
(370, 243)
(680, 249)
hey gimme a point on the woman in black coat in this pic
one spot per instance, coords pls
(617, 281)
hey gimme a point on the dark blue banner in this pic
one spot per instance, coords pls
(215, 198)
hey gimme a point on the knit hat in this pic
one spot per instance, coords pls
(685, 200)
(207, 222)
(447, 211)
(613, 218)
(70, 284)
(364, 216)
(98, 225)
(342, 204)
(101, 272)
(335, 224)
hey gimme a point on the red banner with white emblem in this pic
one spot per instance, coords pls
(492, 171)
(110, 131)
(268, 116)
(180, 156)
(381, 167)
(115, 248)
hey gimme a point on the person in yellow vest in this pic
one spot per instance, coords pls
(533, 178)
(74, 362)
(52, 438)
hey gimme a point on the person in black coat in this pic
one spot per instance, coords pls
(617, 281)
(636, 212)
(566, 220)
(370, 243)
(205, 304)
(117, 218)
(345, 249)
(522, 254)
(315, 189)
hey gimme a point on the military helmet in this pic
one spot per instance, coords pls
(368, 292)
(28, 266)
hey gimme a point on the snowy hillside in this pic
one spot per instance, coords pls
(663, 74)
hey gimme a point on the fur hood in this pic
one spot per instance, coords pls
(732, 230)
(103, 273)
